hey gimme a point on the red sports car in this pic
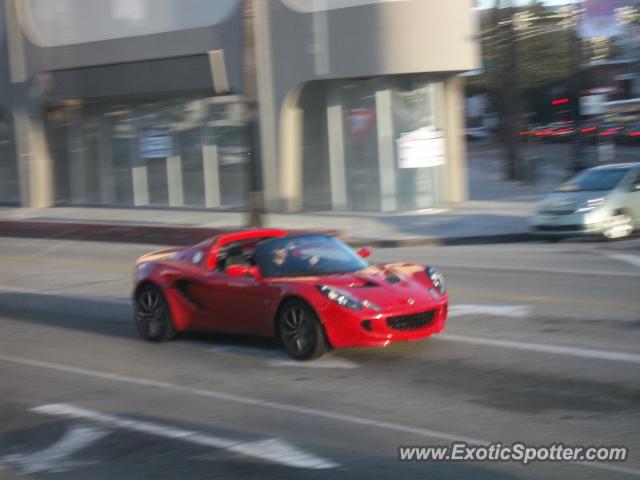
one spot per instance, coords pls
(311, 291)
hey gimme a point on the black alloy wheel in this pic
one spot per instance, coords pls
(300, 331)
(152, 316)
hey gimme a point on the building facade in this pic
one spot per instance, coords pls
(139, 103)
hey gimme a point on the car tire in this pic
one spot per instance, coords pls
(621, 226)
(152, 315)
(300, 331)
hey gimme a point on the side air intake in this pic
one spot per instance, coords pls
(183, 287)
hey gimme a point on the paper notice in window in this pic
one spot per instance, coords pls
(421, 148)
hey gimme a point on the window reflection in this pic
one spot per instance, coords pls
(189, 152)
(9, 190)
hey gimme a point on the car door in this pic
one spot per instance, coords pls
(234, 304)
(633, 197)
(247, 305)
(204, 293)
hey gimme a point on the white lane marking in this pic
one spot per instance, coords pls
(633, 260)
(54, 458)
(513, 311)
(56, 293)
(320, 363)
(271, 450)
(561, 271)
(624, 357)
(418, 431)
(247, 351)
(278, 359)
(218, 395)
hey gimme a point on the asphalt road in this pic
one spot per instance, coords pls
(542, 346)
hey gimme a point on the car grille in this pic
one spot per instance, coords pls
(560, 228)
(558, 212)
(411, 322)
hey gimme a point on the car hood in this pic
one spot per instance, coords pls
(564, 201)
(392, 287)
(158, 255)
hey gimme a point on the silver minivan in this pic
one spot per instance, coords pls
(603, 200)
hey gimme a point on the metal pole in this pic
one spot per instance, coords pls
(577, 147)
(255, 203)
(511, 102)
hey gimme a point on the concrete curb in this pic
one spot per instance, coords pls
(182, 235)
(107, 232)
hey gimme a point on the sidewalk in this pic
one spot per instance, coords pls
(497, 213)
(471, 223)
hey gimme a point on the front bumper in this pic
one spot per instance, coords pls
(346, 328)
(587, 223)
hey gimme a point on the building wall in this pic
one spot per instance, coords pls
(74, 34)
(54, 23)
(76, 62)
(88, 77)
(353, 132)
(368, 39)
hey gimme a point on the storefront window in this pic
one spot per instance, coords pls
(315, 148)
(227, 136)
(9, 186)
(170, 153)
(361, 144)
(414, 122)
(123, 138)
(388, 149)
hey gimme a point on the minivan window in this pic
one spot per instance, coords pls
(594, 180)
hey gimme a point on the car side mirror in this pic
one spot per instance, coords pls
(635, 187)
(243, 271)
(364, 252)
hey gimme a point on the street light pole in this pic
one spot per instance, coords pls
(255, 201)
(511, 104)
(575, 86)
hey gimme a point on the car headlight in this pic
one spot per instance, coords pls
(590, 205)
(437, 279)
(344, 299)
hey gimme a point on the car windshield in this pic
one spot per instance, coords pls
(306, 255)
(594, 180)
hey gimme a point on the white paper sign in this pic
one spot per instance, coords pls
(592, 104)
(421, 148)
